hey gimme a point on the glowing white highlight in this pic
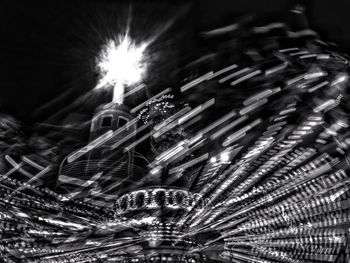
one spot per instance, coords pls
(225, 157)
(120, 64)
(213, 159)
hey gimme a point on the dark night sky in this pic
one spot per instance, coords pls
(48, 47)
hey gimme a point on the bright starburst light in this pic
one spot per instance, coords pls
(121, 64)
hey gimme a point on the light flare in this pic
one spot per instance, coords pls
(121, 63)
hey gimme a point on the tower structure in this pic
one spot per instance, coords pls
(96, 170)
(113, 117)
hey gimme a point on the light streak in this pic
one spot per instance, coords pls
(318, 86)
(339, 79)
(19, 167)
(240, 133)
(222, 30)
(286, 50)
(170, 119)
(222, 71)
(180, 149)
(299, 53)
(26, 184)
(235, 74)
(323, 56)
(85, 184)
(269, 27)
(196, 81)
(189, 164)
(137, 142)
(260, 95)
(286, 111)
(326, 105)
(196, 111)
(99, 141)
(32, 163)
(155, 170)
(276, 125)
(171, 152)
(131, 135)
(295, 79)
(220, 121)
(143, 104)
(62, 223)
(253, 106)
(246, 77)
(314, 75)
(121, 97)
(169, 123)
(192, 122)
(12, 162)
(234, 138)
(95, 143)
(308, 56)
(228, 127)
